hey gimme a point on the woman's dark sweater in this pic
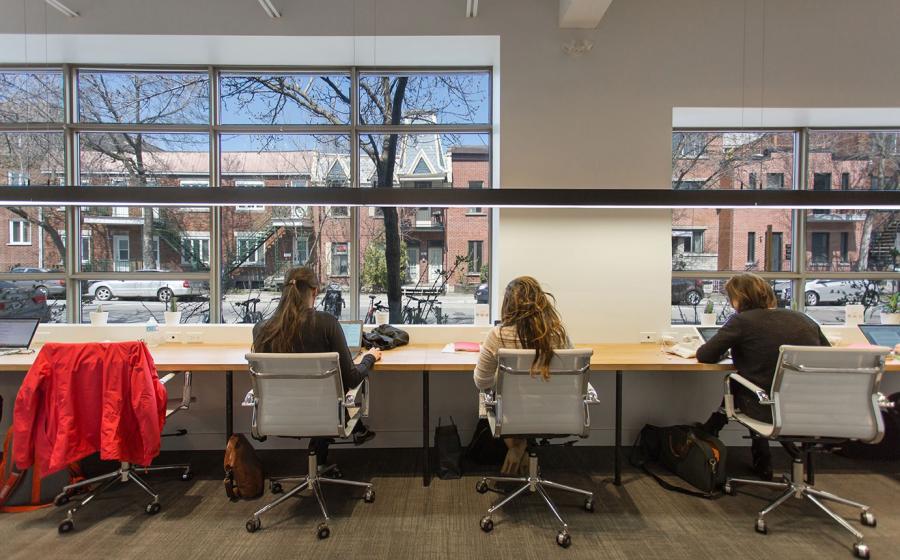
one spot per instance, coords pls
(321, 332)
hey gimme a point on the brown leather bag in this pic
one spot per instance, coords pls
(243, 472)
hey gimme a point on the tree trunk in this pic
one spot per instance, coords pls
(391, 219)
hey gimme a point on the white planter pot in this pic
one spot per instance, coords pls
(708, 319)
(98, 319)
(890, 318)
(382, 317)
(172, 317)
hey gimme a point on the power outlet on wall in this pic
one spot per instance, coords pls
(647, 337)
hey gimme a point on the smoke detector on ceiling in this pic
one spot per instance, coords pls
(577, 48)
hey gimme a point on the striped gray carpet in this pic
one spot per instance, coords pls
(636, 520)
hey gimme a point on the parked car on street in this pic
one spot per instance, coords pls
(839, 292)
(687, 291)
(482, 293)
(163, 290)
(52, 288)
(23, 302)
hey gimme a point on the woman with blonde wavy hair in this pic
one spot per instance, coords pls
(529, 319)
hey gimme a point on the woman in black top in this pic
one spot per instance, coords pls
(296, 327)
(754, 336)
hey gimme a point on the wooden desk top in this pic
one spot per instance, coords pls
(412, 358)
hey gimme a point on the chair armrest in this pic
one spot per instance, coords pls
(486, 402)
(884, 403)
(591, 397)
(761, 394)
(358, 397)
(186, 397)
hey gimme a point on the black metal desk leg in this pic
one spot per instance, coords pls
(617, 478)
(426, 447)
(229, 404)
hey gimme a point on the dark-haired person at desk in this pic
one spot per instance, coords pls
(754, 335)
(296, 327)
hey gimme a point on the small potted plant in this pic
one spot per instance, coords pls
(172, 315)
(708, 317)
(890, 311)
(99, 317)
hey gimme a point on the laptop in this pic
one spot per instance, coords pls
(353, 331)
(882, 335)
(707, 333)
(16, 335)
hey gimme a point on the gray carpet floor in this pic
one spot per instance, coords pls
(636, 520)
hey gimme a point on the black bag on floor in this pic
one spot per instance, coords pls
(696, 457)
(889, 446)
(485, 449)
(449, 451)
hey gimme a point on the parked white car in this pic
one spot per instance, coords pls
(163, 290)
(839, 292)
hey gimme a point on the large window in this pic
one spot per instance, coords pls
(159, 127)
(861, 245)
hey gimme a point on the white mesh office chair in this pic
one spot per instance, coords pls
(301, 395)
(128, 472)
(820, 397)
(526, 406)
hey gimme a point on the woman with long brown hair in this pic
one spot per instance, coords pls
(296, 327)
(754, 335)
(529, 319)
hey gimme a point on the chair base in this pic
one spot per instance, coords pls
(312, 481)
(795, 485)
(534, 483)
(125, 473)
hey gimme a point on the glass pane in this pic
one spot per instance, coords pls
(443, 257)
(261, 244)
(285, 99)
(31, 96)
(447, 98)
(29, 158)
(159, 239)
(825, 299)
(852, 240)
(732, 239)
(692, 296)
(854, 159)
(137, 159)
(33, 240)
(424, 160)
(143, 97)
(136, 301)
(732, 160)
(285, 160)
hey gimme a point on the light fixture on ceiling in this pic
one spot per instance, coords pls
(577, 48)
(69, 12)
(471, 8)
(270, 9)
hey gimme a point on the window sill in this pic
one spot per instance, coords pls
(476, 214)
(20, 244)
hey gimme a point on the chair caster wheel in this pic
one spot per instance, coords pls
(589, 505)
(187, 475)
(153, 509)
(761, 527)
(861, 550)
(564, 539)
(369, 496)
(322, 531)
(66, 527)
(487, 524)
(276, 488)
(253, 525)
(729, 489)
(61, 500)
(867, 518)
(481, 486)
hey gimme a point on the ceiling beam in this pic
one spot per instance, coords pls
(581, 14)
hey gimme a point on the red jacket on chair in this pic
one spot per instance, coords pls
(81, 398)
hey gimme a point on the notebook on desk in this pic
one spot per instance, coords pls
(16, 335)
(353, 331)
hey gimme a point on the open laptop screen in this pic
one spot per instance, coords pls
(707, 332)
(353, 333)
(17, 333)
(882, 335)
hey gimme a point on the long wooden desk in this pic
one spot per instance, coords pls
(422, 359)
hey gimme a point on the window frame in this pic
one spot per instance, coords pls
(21, 229)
